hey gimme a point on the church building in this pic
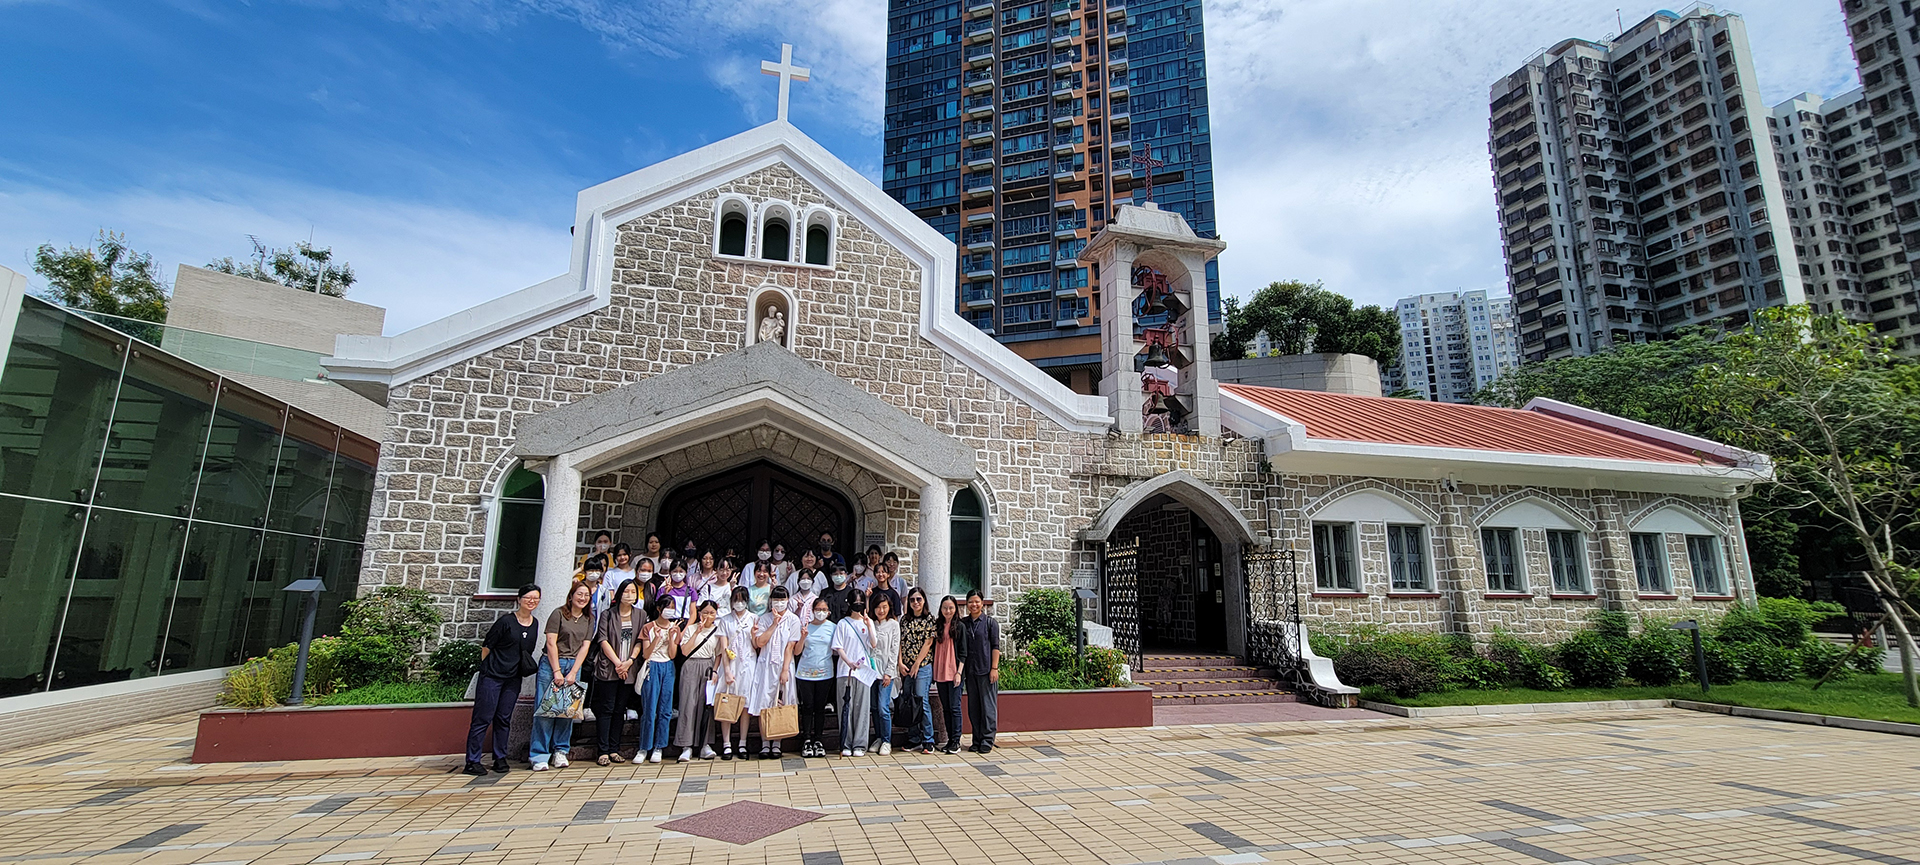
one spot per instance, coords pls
(753, 341)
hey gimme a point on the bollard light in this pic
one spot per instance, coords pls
(312, 587)
(1699, 652)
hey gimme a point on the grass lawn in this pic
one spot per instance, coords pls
(396, 693)
(1879, 697)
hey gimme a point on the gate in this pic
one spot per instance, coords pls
(1120, 589)
(1273, 612)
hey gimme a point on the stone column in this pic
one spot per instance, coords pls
(1196, 381)
(936, 551)
(559, 532)
(1118, 380)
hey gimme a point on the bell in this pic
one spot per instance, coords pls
(1156, 356)
(1156, 404)
(1151, 305)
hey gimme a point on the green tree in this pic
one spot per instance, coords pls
(304, 266)
(1831, 404)
(1648, 382)
(1300, 317)
(110, 278)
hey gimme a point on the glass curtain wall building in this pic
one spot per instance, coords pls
(1011, 126)
(151, 510)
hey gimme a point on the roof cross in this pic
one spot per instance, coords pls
(1147, 161)
(788, 73)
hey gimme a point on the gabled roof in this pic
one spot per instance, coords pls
(373, 364)
(1545, 436)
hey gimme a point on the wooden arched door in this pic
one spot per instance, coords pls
(737, 508)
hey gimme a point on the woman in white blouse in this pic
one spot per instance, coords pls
(886, 660)
(736, 665)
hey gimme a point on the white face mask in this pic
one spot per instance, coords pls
(859, 569)
(739, 606)
(601, 547)
(839, 579)
(679, 578)
(819, 615)
(779, 556)
(806, 585)
(780, 606)
(766, 555)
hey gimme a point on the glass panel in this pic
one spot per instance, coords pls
(339, 568)
(352, 491)
(209, 618)
(1649, 562)
(1703, 553)
(38, 542)
(159, 429)
(516, 545)
(967, 504)
(271, 616)
(241, 449)
(523, 484)
(121, 595)
(306, 468)
(966, 564)
(55, 398)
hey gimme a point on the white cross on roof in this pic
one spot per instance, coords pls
(788, 73)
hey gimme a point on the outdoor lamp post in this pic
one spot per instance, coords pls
(312, 587)
(1699, 652)
(1081, 595)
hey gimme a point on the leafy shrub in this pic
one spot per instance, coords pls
(1767, 662)
(1778, 621)
(454, 661)
(1518, 662)
(267, 681)
(1101, 667)
(1052, 654)
(397, 693)
(1044, 613)
(1659, 655)
(1591, 660)
(1726, 662)
(364, 659)
(1613, 626)
(1020, 673)
(1869, 660)
(403, 614)
(1405, 664)
(1819, 658)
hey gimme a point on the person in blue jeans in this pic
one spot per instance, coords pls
(886, 662)
(662, 640)
(569, 638)
(916, 670)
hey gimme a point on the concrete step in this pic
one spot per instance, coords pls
(1210, 686)
(1223, 697)
(1154, 662)
(1168, 674)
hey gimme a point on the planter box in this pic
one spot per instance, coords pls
(331, 732)
(428, 729)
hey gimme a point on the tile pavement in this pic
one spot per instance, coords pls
(1600, 788)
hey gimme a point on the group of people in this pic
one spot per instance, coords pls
(659, 637)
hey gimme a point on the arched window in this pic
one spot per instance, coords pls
(731, 237)
(515, 546)
(968, 536)
(776, 236)
(819, 238)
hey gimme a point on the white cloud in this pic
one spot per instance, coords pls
(419, 261)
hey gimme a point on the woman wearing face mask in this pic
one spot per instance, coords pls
(782, 566)
(643, 578)
(886, 663)
(699, 645)
(762, 561)
(815, 669)
(854, 676)
(602, 546)
(916, 674)
(949, 666)
(735, 667)
(507, 655)
(776, 637)
(838, 594)
(808, 563)
(616, 662)
(677, 599)
(659, 642)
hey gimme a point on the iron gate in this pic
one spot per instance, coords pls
(1120, 585)
(1273, 612)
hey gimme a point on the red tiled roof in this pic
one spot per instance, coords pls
(1448, 425)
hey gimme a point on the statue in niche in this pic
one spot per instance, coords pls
(773, 326)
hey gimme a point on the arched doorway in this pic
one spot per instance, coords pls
(1175, 574)
(739, 507)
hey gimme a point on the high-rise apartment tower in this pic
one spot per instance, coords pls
(1886, 45)
(1638, 189)
(1830, 168)
(1453, 344)
(1013, 126)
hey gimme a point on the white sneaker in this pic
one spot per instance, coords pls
(539, 767)
(845, 753)
(633, 715)
(859, 752)
(560, 760)
(706, 752)
(654, 757)
(686, 755)
(886, 748)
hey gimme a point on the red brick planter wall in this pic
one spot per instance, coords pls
(1022, 711)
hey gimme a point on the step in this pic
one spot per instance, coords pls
(1210, 686)
(1167, 674)
(1224, 697)
(1153, 662)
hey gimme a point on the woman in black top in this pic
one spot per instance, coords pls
(506, 657)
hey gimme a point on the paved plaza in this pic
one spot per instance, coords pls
(1647, 786)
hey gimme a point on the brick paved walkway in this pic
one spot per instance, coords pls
(1655, 786)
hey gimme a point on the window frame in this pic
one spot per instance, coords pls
(1718, 559)
(1516, 554)
(1350, 551)
(1650, 577)
(1408, 558)
(496, 511)
(1577, 562)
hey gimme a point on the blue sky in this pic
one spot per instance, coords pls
(437, 145)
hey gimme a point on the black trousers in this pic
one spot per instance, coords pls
(814, 697)
(493, 702)
(950, 703)
(983, 708)
(609, 701)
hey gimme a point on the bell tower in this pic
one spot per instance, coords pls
(1153, 311)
